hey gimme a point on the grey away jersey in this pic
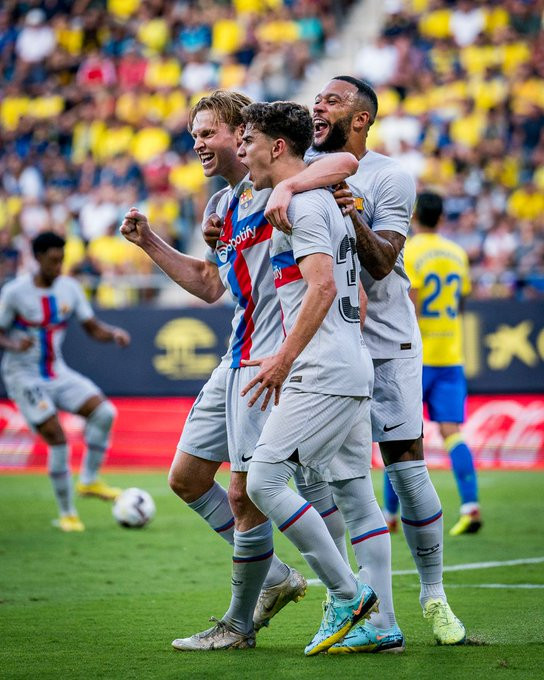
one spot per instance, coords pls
(385, 196)
(335, 361)
(42, 314)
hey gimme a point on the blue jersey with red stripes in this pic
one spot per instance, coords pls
(242, 255)
(41, 314)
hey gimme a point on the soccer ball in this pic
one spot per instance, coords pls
(133, 508)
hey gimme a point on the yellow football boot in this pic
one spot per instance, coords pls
(467, 524)
(69, 523)
(98, 489)
(447, 629)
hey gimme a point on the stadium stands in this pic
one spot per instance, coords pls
(95, 94)
(462, 107)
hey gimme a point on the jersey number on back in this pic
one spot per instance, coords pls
(348, 310)
(431, 306)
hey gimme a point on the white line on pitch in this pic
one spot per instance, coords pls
(479, 565)
(522, 586)
(461, 567)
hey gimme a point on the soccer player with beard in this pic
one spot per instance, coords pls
(380, 198)
(220, 427)
(440, 277)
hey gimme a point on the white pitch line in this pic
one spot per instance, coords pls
(522, 586)
(462, 567)
(479, 565)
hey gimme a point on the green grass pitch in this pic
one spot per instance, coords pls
(108, 602)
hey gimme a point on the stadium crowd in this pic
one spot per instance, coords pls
(462, 107)
(95, 95)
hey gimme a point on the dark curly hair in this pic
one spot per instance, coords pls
(46, 240)
(288, 120)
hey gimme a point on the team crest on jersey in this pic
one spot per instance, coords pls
(245, 198)
(359, 203)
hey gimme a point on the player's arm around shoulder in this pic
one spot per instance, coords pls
(378, 247)
(327, 170)
(198, 277)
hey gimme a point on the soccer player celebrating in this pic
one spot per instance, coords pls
(380, 198)
(34, 313)
(439, 273)
(321, 414)
(220, 427)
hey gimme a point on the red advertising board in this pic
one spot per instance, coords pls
(503, 432)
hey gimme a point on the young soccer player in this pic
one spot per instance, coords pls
(34, 312)
(439, 273)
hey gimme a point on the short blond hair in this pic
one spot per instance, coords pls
(226, 107)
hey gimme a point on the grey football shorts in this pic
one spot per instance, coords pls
(220, 426)
(397, 408)
(38, 398)
(331, 435)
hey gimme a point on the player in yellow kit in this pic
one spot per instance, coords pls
(439, 274)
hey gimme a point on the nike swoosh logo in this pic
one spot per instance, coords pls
(394, 427)
(358, 610)
(245, 459)
(381, 637)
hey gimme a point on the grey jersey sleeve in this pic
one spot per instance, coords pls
(7, 312)
(394, 202)
(309, 213)
(82, 307)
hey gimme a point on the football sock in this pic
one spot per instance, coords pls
(253, 550)
(97, 438)
(422, 523)
(213, 506)
(267, 486)
(61, 479)
(370, 540)
(390, 498)
(463, 467)
(277, 573)
(320, 496)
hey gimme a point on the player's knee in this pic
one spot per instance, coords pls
(402, 451)
(180, 485)
(252, 485)
(52, 432)
(103, 416)
(188, 487)
(238, 499)
(448, 429)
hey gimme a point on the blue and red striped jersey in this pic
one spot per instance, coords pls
(42, 314)
(243, 257)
